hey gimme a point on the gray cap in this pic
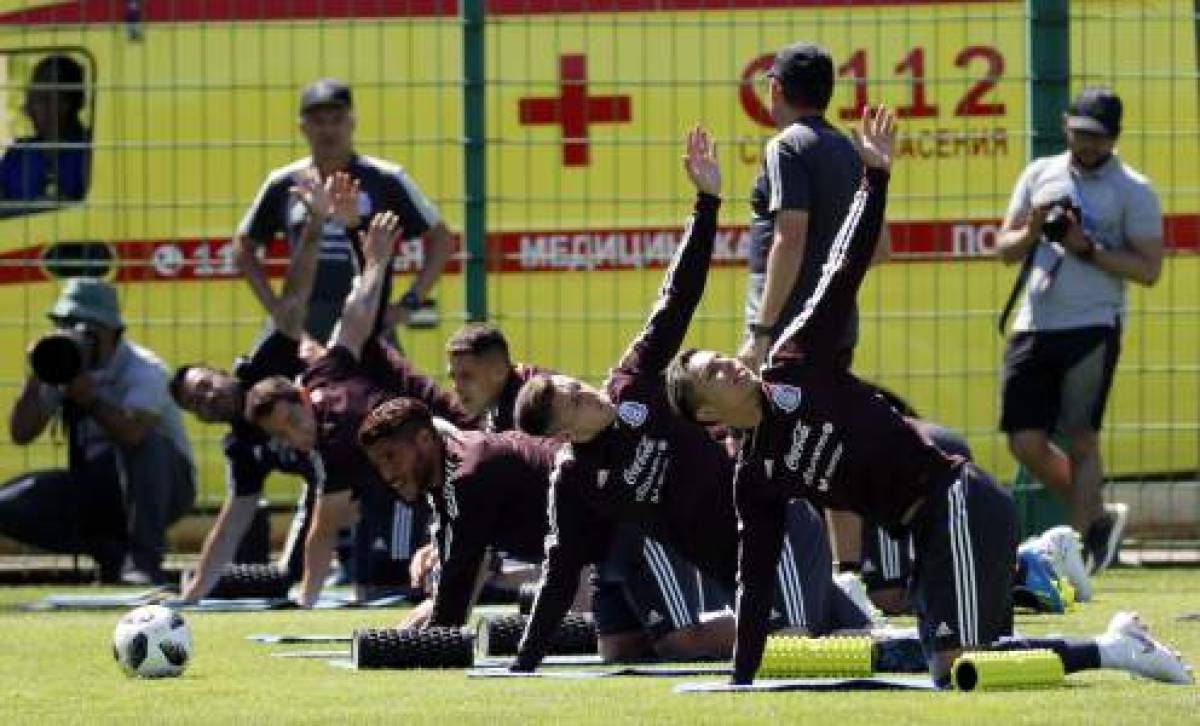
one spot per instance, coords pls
(86, 298)
(325, 92)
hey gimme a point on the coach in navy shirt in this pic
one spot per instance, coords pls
(327, 121)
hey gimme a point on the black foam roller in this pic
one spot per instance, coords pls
(413, 648)
(251, 581)
(576, 635)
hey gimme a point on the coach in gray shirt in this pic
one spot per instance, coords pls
(130, 470)
(1066, 336)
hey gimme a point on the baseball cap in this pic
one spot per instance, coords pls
(86, 298)
(803, 68)
(325, 92)
(1096, 110)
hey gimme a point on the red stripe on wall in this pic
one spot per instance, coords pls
(192, 11)
(549, 251)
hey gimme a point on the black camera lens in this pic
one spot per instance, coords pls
(59, 356)
(1058, 221)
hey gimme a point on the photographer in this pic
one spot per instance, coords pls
(1084, 223)
(130, 472)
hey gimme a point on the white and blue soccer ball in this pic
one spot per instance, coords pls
(152, 641)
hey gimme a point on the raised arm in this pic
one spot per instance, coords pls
(683, 287)
(820, 321)
(322, 199)
(362, 304)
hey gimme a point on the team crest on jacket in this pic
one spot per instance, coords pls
(633, 413)
(786, 397)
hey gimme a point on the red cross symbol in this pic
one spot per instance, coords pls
(574, 110)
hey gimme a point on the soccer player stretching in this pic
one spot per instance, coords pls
(816, 431)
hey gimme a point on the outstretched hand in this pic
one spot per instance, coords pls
(874, 136)
(380, 238)
(700, 161)
(336, 196)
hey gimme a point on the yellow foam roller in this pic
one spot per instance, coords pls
(788, 656)
(992, 670)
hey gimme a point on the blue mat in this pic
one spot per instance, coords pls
(872, 683)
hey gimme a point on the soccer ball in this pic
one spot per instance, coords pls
(152, 641)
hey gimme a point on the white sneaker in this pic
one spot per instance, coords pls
(1062, 545)
(1127, 645)
(851, 584)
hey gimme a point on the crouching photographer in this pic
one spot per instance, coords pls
(129, 470)
(1085, 223)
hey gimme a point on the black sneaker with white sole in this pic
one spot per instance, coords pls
(1104, 536)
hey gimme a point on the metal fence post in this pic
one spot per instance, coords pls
(474, 157)
(1048, 37)
(1049, 42)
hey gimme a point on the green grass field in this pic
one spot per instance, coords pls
(56, 667)
(928, 331)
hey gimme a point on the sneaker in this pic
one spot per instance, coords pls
(851, 584)
(1061, 544)
(1036, 584)
(1127, 645)
(1104, 536)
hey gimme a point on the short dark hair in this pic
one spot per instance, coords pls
(681, 389)
(477, 339)
(534, 411)
(395, 418)
(264, 395)
(805, 72)
(65, 74)
(176, 384)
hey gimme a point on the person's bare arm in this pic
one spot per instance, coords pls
(125, 426)
(220, 545)
(439, 247)
(1018, 233)
(29, 416)
(362, 304)
(245, 255)
(332, 512)
(783, 269)
(1141, 261)
(883, 247)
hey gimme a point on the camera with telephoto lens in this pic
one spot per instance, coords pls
(1058, 222)
(60, 355)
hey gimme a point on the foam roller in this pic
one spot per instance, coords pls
(576, 635)
(992, 670)
(251, 581)
(789, 656)
(413, 648)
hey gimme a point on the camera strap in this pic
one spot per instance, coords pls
(1015, 292)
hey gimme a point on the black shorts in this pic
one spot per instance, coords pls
(1058, 381)
(965, 538)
